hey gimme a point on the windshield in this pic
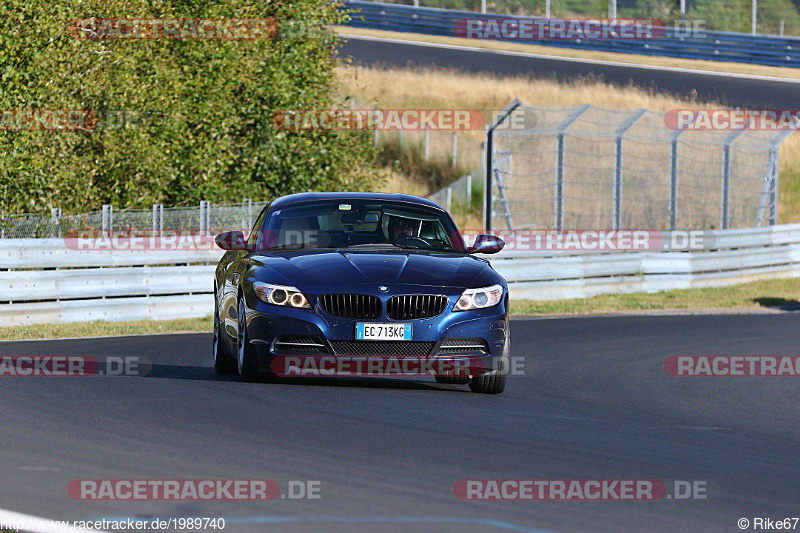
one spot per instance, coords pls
(359, 224)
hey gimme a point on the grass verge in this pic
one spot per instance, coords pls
(101, 329)
(776, 294)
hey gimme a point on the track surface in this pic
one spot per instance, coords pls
(728, 89)
(596, 403)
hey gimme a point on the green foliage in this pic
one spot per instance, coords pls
(205, 108)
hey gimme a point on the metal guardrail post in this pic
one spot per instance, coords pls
(558, 223)
(630, 121)
(673, 179)
(726, 178)
(107, 219)
(488, 154)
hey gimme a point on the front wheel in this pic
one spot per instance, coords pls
(246, 359)
(224, 364)
(494, 382)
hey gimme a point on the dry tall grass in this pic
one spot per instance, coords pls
(429, 88)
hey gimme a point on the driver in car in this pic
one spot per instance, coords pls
(401, 227)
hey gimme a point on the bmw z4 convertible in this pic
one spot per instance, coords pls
(364, 276)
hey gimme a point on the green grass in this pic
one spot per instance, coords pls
(99, 329)
(778, 294)
(758, 295)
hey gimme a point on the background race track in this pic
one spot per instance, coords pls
(596, 403)
(729, 89)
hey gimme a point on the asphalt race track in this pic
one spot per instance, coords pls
(734, 90)
(595, 403)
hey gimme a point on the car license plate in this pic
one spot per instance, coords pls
(383, 332)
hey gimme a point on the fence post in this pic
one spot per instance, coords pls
(107, 219)
(55, 219)
(726, 178)
(248, 203)
(488, 171)
(558, 223)
(483, 6)
(469, 192)
(455, 149)
(427, 141)
(375, 135)
(673, 180)
(205, 216)
(773, 192)
(630, 121)
(449, 197)
(158, 219)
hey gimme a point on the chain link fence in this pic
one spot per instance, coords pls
(204, 217)
(589, 167)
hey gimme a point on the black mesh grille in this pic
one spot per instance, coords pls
(412, 306)
(463, 345)
(382, 348)
(351, 305)
(295, 344)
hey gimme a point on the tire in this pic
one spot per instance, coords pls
(224, 364)
(494, 382)
(246, 359)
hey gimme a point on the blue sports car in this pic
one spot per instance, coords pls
(364, 276)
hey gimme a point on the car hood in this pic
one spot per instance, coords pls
(339, 269)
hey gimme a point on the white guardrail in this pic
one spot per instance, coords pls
(44, 281)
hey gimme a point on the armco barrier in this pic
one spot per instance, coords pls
(709, 45)
(128, 285)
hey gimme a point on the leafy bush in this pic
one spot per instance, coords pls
(204, 108)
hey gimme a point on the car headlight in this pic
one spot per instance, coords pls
(280, 295)
(479, 298)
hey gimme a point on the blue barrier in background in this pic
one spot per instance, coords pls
(705, 44)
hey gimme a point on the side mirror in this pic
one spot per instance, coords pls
(486, 244)
(231, 240)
